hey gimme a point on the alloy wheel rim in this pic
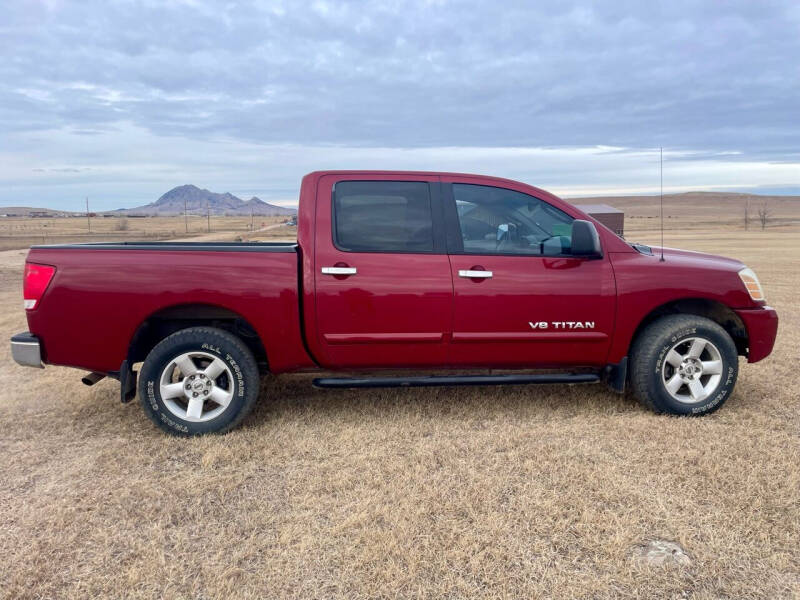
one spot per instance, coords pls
(196, 386)
(692, 370)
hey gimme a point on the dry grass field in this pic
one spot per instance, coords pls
(22, 232)
(517, 492)
(694, 210)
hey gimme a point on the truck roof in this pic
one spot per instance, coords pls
(401, 172)
(487, 178)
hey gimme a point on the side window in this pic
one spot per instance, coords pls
(496, 220)
(382, 216)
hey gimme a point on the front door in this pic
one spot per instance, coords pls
(382, 276)
(520, 299)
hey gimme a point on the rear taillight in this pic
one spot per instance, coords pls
(37, 278)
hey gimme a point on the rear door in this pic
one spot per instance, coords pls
(520, 299)
(383, 289)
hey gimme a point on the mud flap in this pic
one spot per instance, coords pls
(616, 375)
(127, 382)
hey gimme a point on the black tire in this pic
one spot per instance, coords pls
(241, 379)
(650, 370)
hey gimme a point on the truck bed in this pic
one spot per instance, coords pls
(102, 293)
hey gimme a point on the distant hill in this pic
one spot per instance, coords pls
(724, 204)
(683, 197)
(195, 200)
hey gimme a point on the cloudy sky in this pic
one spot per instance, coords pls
(120, 101)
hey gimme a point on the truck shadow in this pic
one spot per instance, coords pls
(292, 400)
(293, 396)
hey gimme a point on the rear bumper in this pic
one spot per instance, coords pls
(762, 328)
(26, 350)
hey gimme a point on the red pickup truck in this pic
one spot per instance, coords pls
(409, 271)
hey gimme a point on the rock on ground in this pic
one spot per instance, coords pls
(658, 553)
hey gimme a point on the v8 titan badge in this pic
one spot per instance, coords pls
(561, 324)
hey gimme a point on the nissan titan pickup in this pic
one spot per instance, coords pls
(396, 279)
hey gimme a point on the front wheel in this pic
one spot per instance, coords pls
(199, 380)
(684, 365)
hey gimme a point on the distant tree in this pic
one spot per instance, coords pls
(122, 223)
(764, 215)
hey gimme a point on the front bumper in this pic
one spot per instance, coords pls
(26, 350)
(762, 328)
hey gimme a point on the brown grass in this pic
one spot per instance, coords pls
(21, 232)
(693, 209)
(459, 493)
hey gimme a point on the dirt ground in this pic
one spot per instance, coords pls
(514, 492)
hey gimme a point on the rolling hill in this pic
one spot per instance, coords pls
(196, 200)
(726, 205)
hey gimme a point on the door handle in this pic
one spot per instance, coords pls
(469, 274)
(338, 270)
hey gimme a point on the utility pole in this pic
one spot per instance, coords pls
(251, 219)
(208, 215)
(746, 215)
(661, 196)
(88, 219)
(185, 216)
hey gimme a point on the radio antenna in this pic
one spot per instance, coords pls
(661, 197)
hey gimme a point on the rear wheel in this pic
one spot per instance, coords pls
(199, 380)
(684, 365)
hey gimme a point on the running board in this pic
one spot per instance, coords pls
(447, 380)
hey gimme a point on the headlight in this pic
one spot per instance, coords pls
(752, 284)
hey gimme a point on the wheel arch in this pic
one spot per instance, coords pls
(714, 310)
(167, 320)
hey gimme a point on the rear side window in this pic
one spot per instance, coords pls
(382, 216)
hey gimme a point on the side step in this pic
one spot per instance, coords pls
(447, 380)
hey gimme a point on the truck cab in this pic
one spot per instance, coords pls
(453, 271)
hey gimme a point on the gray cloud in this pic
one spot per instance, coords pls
(427, 73)
(706, 78)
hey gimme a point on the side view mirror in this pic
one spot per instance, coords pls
(585, 239)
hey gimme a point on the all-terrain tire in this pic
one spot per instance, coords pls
(221, 376)
(661, 359)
